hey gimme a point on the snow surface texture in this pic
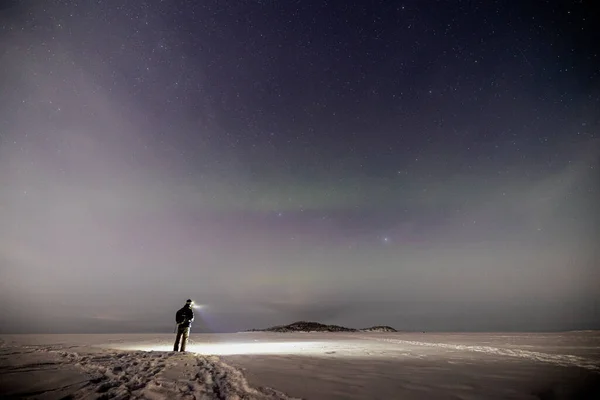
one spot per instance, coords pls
(122, 375)
(304, 365)
(151, 376)
(564, 360)
(379, 329)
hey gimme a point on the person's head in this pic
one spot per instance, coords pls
(188, 303)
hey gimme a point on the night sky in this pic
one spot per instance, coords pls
(429, 165)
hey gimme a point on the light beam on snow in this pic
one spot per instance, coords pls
(237, 348)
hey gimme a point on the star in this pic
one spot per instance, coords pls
(292, 143)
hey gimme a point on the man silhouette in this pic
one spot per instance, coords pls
(184, 319)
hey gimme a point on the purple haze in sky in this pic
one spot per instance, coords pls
(407, 172)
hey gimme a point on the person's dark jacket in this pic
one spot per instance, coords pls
(185, 316)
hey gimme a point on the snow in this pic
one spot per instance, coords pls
(559, 359)
(264, 365)
(380, 329)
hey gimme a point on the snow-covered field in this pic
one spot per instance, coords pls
(260, 365)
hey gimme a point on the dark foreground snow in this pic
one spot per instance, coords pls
(59, 372)
(260, 365)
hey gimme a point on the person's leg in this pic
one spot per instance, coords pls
(184, 339)
(177, 339)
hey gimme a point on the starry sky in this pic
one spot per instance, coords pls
(425, 165)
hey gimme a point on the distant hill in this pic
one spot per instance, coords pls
(379, 328)
(306, 326)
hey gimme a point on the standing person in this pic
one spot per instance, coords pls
(184, 318)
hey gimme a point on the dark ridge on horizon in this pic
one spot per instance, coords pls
(305, 326)
(311, 326)
(153, 332)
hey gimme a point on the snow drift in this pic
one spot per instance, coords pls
(379, 328)
(327, 365)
